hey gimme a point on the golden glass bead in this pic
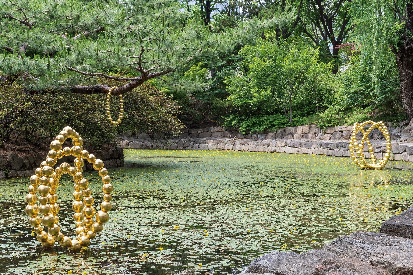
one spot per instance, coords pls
(72, 171)
(77, 206)
(38, 172)
(51, 183)
(32, 210)
(107, 197)
(31, 199)
(56, 145)
(65, 167)
(91, 158)
(78, 224)
(60, 138)
(77, 187)
(43, 190)
(44, 209)
(105, 206)
(54, 209)
(50, 162)
(44, 181)
(107, 188)
(42, 236)
(52, 198)
(88, 212)
(79, 230)
(103, 172)
(79, 142)
(85, 154)
(79, 163)
(71, 133)
(84, 240)
(77, 151)
(54, 230)
(97, 227)
(91, 234)
(78, 217)
(64, 134)
(38, 229)
(48, 220)
(87, 192)
(35, 221)
(77, 195)
(66, 241)
(34, 180)
(32, 189)
(76, 245)
(84, 183)
(43, 200)
(50, 241)
(67, 151)
(60, 237)
(98, 164)
(106, 179)
(77, 176)
(88, 201)
(102, 217)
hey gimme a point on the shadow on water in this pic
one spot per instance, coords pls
(206, 212)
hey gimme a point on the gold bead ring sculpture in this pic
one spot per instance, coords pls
(108, 109)
(356, 149)
(46, 181)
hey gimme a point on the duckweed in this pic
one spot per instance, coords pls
(208, 212)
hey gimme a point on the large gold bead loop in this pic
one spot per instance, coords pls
(357, 149)
(108, 108)
(45, 182)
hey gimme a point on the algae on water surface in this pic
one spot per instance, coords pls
(208, 212)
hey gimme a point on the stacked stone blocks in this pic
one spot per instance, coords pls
(307, 139)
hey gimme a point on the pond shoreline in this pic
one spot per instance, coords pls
(307, 139)
(361, 253)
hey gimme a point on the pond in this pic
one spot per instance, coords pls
(207, 212)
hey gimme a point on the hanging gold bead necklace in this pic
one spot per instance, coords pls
(108, 108)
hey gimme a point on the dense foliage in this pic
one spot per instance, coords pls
(278, 80)
(34, 118)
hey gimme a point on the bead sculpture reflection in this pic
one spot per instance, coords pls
(45, 182)
(108, 109)
(356, 149)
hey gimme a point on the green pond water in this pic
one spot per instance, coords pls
(207, 212)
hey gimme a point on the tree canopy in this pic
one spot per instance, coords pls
(71, 44)
(255, 65)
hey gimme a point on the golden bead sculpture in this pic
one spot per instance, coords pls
(42, 209)
(356, 149)
(108, 108)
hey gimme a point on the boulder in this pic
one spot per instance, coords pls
(15, 161)
(400, 225)
(361, 253)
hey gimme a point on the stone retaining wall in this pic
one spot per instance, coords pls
(307, 139)
(18, 164)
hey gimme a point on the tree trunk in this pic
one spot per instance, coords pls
(290, 99)
(404, 60)
(335, 59)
